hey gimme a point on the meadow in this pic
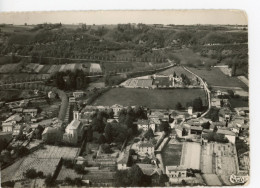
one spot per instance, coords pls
(154, 99)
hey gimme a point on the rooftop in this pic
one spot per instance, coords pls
(146, 144)
(74, 124)
(142, 122)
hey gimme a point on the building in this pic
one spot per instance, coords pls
(51, 135)
(195, 130)
(74, 131)
(174, 172)
(154, 124)
(17, 130)
(145, 147)
(78, 94)
(117, 108)
(151, 170)
(32, 112)
(216, 102)
(143, 124)
(190, 110)
(123, 163)
(231, 136)
(9, 123)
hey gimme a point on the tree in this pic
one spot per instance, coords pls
(106, 148)
(108, 132)
(205, 125)
(31, 174)
(197, 104)
(79, 169)
(149, 134)
(102, 139)
(110, 113)
(135, 174)
(49, 180)
(178, 106)
(215, 129)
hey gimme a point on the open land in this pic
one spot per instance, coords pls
(215, 77)
(156, 99)
(171, 154)
(191, 155)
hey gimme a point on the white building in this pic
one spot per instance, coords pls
(174, 172)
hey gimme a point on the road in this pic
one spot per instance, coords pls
(206, 90)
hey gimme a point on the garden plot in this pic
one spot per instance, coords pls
(38, 69)
(69, 67)
(16, 170)
(191, 155)
(207, 159)
(56, 152)
(52, 68)
(9, 68)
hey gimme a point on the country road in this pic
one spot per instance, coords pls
(206, 90)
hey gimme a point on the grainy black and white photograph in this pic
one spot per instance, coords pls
(124, 99)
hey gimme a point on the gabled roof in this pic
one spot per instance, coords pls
(226, 132)
(74, 124)
(148, 169)
(15, 117)
(146, 144)
(30, 110)
(173, 168)
(196, 128)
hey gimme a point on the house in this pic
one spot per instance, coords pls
(195, 130)
(231, 136)
(78, 94)
(72, 100)
(154, 124)
(190, 109)
(17, 130)
(242, 111)
(32, 112)
(225, 114)
(174, 172)
(7, 127)
(143, 124)
(73, 132)
(150, 170)
(216, 102)
(123, 163)
(8, 124)
(145, 147)
(117, 108)
(51, 135)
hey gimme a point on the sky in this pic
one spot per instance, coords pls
(178, 17)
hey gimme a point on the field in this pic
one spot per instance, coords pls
(188, 56)
(215, 77)
(222, 163)
(171, 154)
(178, 70)
(191, 155)
(56, 152)
(155, 99)
(212, 180)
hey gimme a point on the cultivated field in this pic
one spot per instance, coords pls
(218, 158)
(155, 99)
(215, 77)
(171, 154)
(16, 170)
(191, 155)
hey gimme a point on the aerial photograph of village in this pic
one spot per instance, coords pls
(134, 104)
